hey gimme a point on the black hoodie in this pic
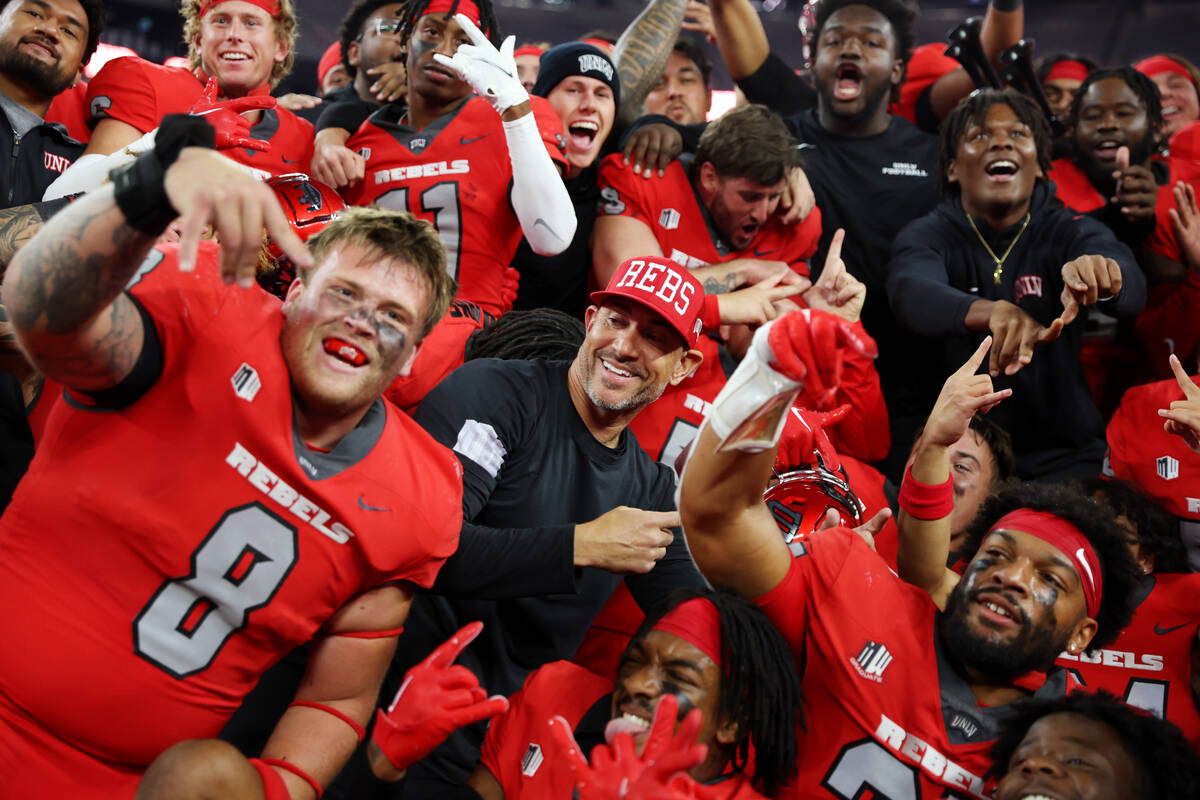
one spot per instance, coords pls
(939, 268)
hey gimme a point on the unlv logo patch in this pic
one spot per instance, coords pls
(871, 661)
(1167, 468)
(55, 163)
(246, 382)
(669, 219)
(1027, 285)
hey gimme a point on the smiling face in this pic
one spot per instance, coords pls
(681, 93)
(1181, 104)
(586, 107)
(1111, 115)
(659, 664)
(379, 41)
(739, 207)
(239, 45)
(1018, 605)
(1067, 756)
(629, 356)
(437, 85)
(856, 63)
(996, 165)
(351, 329)
(42, 44)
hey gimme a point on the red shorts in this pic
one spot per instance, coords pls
(36, 763)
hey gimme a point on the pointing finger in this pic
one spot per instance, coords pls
(445, 653)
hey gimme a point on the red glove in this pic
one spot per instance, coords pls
(804, 434)
(508, 287)
(434, 700)
(617, 771)
(808, 346)
(233, 130)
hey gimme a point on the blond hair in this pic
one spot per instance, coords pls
(285, 31)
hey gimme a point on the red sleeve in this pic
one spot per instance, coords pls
(138, 93)
(865, 433)
(1073, 188)
(1170, 325)
(505, 730)
(927, 64)
(623, 193)
(550, 126)
(1163, 241)
(69, 108)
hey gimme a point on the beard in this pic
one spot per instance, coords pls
(872, 98)
(43, 78)
(1001, 660)
(1100, 175)
(643, 397)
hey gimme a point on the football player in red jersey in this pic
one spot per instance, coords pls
(247, 45)
(908, 697)
(714, 652)
(481, 169)
(242, 493)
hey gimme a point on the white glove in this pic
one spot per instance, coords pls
(492, 73)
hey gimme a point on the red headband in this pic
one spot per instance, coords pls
(1068, 70)
(697, 622)
(464, 7)
(1070, 540)
(528, 50)
(269, 6)
(1157, 65)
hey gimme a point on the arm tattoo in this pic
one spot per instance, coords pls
(17, 226)
(715, 285)
(642, 53)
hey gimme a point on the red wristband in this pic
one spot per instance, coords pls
(273, 785)
(710, 313)
(370, 634)
(292, 768)
(359, 731)
(922, 501)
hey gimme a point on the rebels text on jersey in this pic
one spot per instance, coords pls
(455, 173)
(158, 558)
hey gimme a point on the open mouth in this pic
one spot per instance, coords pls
(632, 724)
(997, 611)
(612, 370)
(848, 82)
(1170, 111)
(1106, 149)
(1003, 170)
(582, 134)
(345, 351)
(235, 57)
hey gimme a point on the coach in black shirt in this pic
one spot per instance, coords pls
(557, 494)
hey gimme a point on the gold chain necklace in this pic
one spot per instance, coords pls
(999, 271)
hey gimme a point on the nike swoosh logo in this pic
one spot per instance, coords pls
(366, 507)
(1164, 631)
(465, 140)
(288, 160)
(761, 253)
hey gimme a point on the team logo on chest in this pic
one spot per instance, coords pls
(1027, 285)
(1167, 468)
(669, 219)
(246, 382)
(871, 661)
(531, 760)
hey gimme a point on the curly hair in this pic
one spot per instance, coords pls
(543, 333)
(415, 9)
(1157, 531)
(1169, 765)
(973, 110)
(760, 688)
(1119, 573)
(1139, 84)
(285, 25)
(351, 29)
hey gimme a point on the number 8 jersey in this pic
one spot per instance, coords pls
(157, 559)
(456, 173)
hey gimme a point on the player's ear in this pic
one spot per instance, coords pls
(1081, 637)
(709, 179)
(686, 366)
(406, 369)
(728, 733)
(292, 294)
(352, 53)
(590, 315)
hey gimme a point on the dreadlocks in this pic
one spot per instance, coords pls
(760, 688)
(1156, 530)
(538, 333)
(1168, 764)
(415, 9)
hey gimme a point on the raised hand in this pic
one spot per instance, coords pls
(436, 698)
(1090, 278)
(758, 303)
(809, 347)
(492, 73)
(1185, 220)
(1016, 334)
(1137, 191)
(1183, 417)
(798, 199)
(963, 395)
(804, 434)
(837, 291)
(617, 771)
(232, 129)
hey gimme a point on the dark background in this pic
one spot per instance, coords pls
(1112, 32)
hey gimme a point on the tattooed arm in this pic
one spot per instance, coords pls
(642, 53)
(17, 226)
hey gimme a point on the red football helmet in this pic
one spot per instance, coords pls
(309, 205)
(801, 497)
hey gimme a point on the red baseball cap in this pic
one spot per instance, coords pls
(662, 286)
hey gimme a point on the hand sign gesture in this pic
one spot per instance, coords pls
(492, 73)
(233, 130)
(436, 698)
(1183, 417)
(837, 291)
(964, 394)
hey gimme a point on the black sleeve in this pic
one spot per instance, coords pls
(690, 133)
(348, 115)
(145, 373)
(501, 563)
(778, 87)
(926, 118)
(918, 283)
(1130, 233)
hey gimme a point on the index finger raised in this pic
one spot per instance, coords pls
(835, 248)
(564, 739)
(445, 653)
(1190, 390)
(972, 363)
(476, 35)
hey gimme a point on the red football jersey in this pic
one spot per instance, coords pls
(140, 93)
(887, 714)
(1150, 665)
(519, 753)
(926, 65)
(455, 173)
(69, 109)
(175, 549)
(442, 352)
